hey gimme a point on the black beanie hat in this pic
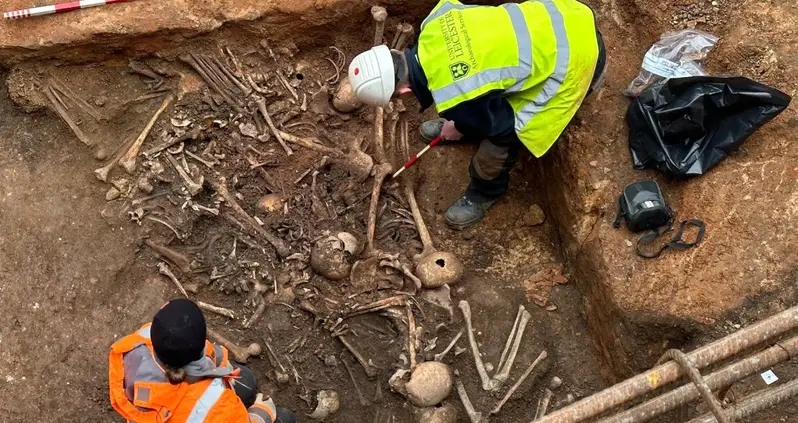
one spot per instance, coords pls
(178, 333)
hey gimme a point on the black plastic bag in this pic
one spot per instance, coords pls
(688, 125)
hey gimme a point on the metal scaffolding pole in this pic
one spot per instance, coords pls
(725, 377)
(757, 402)
(662, 375)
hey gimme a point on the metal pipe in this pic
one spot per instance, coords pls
(755, 403)
(699, 382)
(662, 375)
(727, 376)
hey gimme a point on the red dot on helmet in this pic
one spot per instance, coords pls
(357, 71)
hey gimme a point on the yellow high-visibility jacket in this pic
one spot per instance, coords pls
(542, 54)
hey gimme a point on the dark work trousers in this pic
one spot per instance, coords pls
(491, 165)
(246, 387)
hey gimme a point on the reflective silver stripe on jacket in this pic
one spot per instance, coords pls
(144, 332)
(442, 10)
(206, 402)
(553, 83)
(519, 73)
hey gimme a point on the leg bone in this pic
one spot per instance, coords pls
(380, 15)
(439, 357)
(488, 384)
(543, 407)
(192, 187)
(511, 337)
(382, 171)
(128, 160)
(473, 414)
(261, 102)
(360, 396)
(164, 270)
(216, 309)
(278, 244)
(371, 371)
(50, 93)
(518, 383)
(240, 354)
(504, 372)
(404, 34)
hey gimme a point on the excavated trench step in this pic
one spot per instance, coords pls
(636, 309)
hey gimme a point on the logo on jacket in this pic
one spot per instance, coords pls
(459, 70)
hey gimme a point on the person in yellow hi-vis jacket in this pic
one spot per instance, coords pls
(507, 76)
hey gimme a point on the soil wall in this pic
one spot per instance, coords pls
(144, 27)
(639, 308)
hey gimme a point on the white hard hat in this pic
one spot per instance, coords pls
(372, 76)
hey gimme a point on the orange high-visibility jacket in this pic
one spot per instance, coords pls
(207, 395)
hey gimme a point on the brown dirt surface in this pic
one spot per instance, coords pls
(143, 26)
(748, 248)
(78, 274)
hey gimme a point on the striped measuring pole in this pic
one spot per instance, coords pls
(415, 158)
(57, 8)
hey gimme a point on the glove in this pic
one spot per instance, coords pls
(449, 132)
(264, 409)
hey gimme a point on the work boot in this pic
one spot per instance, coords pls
(431, 129)
(465, 213)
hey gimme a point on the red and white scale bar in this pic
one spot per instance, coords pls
(57, 8)
(415, 158)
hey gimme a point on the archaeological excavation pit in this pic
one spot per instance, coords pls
(243, 178)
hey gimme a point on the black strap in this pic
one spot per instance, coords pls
(619, 216)
(676, 242)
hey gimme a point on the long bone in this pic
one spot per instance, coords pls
(473, 414)
(240, 354)
(504, 372)
(488, 384)
(433, 268)
(279, 245)
(192, 187)
(370, 369)
(128, 160)
(518, 383)
(512, 336)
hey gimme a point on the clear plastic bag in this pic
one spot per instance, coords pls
(676, 55)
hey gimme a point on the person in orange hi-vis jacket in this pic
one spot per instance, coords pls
(168, 371)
